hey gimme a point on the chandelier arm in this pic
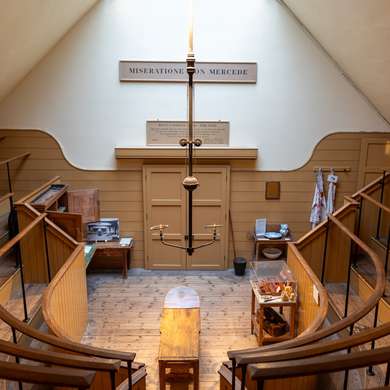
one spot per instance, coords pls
(173, 245)
(205, 244)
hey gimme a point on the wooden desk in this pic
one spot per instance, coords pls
(109, 250)
(179, 340)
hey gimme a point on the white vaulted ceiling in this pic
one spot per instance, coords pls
(28, 30)
(356, 33)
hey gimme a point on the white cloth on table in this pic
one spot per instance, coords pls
(318, 207)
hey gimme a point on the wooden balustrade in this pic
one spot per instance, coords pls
(287, 359)
(65, 303)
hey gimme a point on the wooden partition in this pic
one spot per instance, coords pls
(313, 297)
(33, 248)
(337, 253)
(65, 303)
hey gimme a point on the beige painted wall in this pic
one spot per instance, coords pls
(28, 30)
(300, 97)
(356, 33)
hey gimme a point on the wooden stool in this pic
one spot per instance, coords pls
(179, 341)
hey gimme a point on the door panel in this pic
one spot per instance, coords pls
(211, 202)
(165, 202)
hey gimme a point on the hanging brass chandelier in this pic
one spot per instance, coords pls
(190, 182)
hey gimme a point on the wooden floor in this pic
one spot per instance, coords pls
(125, 315)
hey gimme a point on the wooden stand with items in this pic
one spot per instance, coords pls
(268, 326)
(179, 341)
(261, 243)
(273, 285)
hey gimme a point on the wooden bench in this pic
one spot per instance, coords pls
(179, 341)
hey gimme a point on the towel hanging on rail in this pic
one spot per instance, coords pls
(332, 181)
(318, 207)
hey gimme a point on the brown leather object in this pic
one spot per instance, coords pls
(274, 324)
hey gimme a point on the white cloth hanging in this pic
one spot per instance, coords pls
(332, 181)
(318, 207)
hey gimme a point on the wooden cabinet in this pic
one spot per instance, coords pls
(70, 210)
(86, 203)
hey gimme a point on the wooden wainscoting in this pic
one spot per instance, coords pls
(121, 192)
(65, 302)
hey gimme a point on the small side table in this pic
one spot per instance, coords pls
(257, 317)
(262, 242)
(113, 249)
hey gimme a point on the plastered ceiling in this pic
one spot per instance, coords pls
(28, 30)
(356, 33)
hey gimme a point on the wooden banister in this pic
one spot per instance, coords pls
(321, 348)
(58, 358)
(253, 353)
(5, 248)
(319, 365)
(54, 376)
(371, 186)
(19, 156)
(375, 202)
(6, 196)
(38, 190)
(64, 344)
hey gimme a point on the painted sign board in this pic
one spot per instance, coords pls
(175, 72)
(170, 132)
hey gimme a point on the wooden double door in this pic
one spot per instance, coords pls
(165, 202)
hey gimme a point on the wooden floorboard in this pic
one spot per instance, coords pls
(125, 315)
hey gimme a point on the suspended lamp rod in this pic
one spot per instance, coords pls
(190, 182)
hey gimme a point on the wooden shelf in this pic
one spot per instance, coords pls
(220, 153)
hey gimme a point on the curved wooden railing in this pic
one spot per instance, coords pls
(51, 376)
(62, 258)
(303, 346)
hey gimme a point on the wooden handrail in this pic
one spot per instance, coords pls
(64, 344)
(371, 186)
(239, 355)
(375, 202)
(321, 348)
(23, 155)
(54, 376)
(5, 248)
(323, 294)
(319, 365)
(59, 358)
(37, 190)
(6, 196)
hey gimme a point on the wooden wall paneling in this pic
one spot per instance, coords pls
(121, 189)
(65, 303)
